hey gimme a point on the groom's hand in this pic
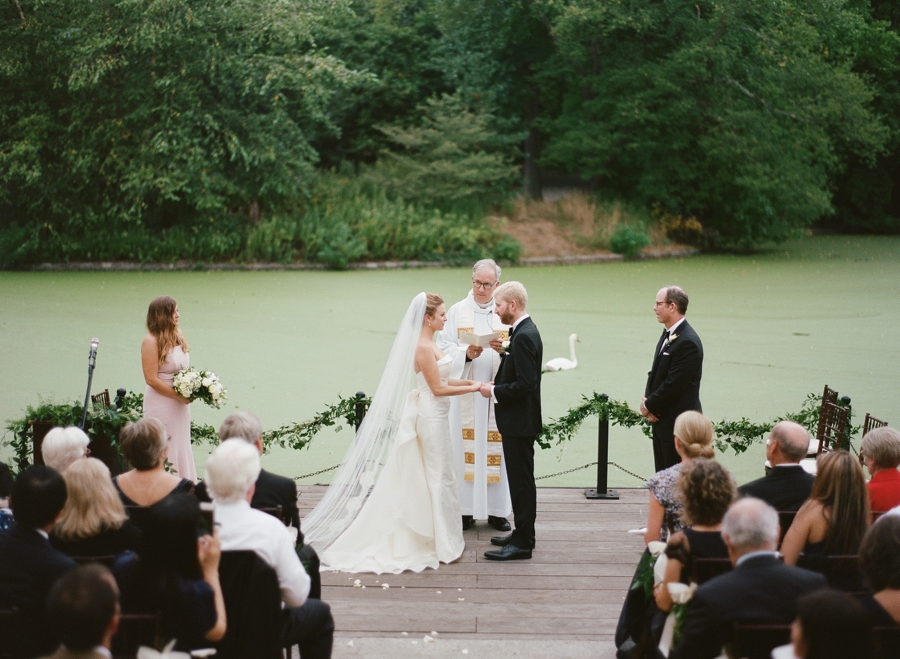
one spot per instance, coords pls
(497, 345)
(486, 389)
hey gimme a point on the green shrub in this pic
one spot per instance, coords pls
(628, 240)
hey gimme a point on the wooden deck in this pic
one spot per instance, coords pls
(572, 589)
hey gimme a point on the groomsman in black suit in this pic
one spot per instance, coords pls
(516, 392)
(673, 383)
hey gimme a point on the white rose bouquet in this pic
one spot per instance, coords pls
(200, 385)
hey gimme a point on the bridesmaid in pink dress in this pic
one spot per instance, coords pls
(164, 353)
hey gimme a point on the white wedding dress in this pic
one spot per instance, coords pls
(411, 520)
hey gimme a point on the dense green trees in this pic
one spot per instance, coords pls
(153, 129)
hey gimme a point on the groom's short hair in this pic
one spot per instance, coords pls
(231, 470)
(241, 424)
(513, 291)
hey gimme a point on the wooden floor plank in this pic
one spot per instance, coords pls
(572, 588)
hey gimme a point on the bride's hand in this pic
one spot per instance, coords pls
(475, 386)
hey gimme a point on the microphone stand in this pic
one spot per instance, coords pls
(92, 357)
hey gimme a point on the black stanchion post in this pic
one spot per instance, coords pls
(120, 397)
(360, 408)
(602, 458)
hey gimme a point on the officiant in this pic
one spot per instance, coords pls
(477, 446)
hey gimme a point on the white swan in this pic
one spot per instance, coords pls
(561, 363)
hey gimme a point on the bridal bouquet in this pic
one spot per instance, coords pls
(200, 385)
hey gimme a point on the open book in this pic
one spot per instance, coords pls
(480, 340)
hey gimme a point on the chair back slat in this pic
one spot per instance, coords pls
(704, 569)
(757, 641)
(274, 511)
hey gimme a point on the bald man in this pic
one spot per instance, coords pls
(787, 485)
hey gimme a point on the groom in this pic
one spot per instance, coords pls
(516, 393)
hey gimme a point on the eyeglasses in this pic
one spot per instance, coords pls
(664, 304)
(483, 285)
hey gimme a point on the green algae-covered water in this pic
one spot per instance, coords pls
(823, 310)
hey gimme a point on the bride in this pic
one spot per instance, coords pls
(394, 504)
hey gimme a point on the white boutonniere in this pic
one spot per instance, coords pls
(671, 339)
(504, 347)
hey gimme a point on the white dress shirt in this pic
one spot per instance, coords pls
(242, 527)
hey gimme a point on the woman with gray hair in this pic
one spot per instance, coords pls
(144, 445)
(880, 452)
(63, 446)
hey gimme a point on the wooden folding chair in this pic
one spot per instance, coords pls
(274, 511)
(101, 399)
(756, 641)
(10, 624)
(832, 424)
(841, 572)
(704, 569)
(135, 630)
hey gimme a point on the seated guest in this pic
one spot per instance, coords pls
(879, 557)
(28, 564)
(834, 520)
(83, 613)
(787, 485)
(706, 490)
(693, 439)
(271, 490)
(63, 446)
(176, 574)
(831, 625)
(231, 472)
(760, 588)
(880, 451)
(144, 444)
(93, 521)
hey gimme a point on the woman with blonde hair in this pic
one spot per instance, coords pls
(93, 521)
(880, 452)
(164, 352)
(693, 439)
(144, 447)
(835, 518)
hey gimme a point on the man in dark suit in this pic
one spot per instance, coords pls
(787, 485)
(516, 392)
(673, 383)
(28, 564)
(272, 490)
(760, 588)
(83, 609)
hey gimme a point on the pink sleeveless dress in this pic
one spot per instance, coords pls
(175, 416)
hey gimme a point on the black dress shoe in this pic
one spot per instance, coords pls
(467, 521)
(501, 540)
(499, 523)
(508, 553)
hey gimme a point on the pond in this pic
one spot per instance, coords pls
(775, 327)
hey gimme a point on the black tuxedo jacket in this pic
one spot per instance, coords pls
(761, 590)
(783, 488)
(673, 383)
(517, 385)
(28, 568)
(271, 490)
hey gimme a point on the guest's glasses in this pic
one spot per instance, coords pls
(483, 285)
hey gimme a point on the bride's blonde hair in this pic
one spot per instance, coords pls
(432, 302)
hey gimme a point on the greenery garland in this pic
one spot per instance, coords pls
(736, 435)
(106, 422)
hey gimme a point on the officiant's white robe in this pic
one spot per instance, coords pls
(477, 446)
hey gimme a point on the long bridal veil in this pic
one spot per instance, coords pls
(366, 456)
